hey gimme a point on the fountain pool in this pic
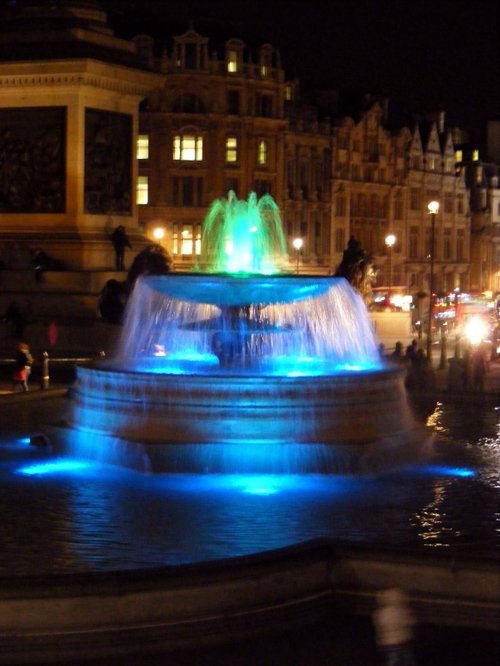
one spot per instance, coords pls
(82, 516)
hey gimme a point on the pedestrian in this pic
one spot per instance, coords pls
(397, 355)
(394, 628)
(22, 367)
(120, 241)
(411, 351)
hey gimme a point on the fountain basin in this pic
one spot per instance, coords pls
(259, 423)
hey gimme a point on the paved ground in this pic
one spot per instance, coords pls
(333, 641)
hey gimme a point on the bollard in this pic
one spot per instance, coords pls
(44, 377)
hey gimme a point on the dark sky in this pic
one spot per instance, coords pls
(422, 54)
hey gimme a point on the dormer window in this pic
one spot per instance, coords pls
(232, 61)
(265, 60)
(190, 51)
(234, 56)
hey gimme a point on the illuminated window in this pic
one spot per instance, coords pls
(143, 147)
(188, 148)
(288, 93)
(186, 239)
(459, 156)
(231, 149)
(262, 151)
(475, 155)
(232, 61)
(142, 191)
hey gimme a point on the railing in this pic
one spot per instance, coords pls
(45, 361)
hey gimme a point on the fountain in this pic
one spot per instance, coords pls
(267, 376)
(241, 367)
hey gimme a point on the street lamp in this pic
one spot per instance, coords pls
(390, 241)
(297, 244)
(159, 234)
(433, 208)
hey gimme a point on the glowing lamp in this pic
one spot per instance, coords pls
(159, 233)
(390, 241)
(297, 244)
(433, 207)
(476, 330)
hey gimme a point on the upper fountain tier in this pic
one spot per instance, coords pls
(243, 237)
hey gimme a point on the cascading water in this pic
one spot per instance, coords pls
(242, 368)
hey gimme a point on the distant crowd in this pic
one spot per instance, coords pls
(467, 372)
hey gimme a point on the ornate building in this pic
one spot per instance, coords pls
(228, 119)
(207, 118)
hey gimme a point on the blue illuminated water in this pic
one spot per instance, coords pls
(280, 326)
(65, 514)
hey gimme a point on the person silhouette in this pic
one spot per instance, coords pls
(394, 623)
(120, 241)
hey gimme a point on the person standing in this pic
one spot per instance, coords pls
(22, 366)
(394, 623)
(120, 241)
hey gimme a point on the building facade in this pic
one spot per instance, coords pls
(230, 120)
(209, 118)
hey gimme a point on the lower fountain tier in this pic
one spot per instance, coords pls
(353, 409)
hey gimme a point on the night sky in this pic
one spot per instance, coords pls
(424, 54)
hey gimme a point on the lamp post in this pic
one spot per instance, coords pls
(433, 208)
(159, 234)
(390, 241)
(297, 244)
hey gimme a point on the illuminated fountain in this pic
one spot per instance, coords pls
(243, 367)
